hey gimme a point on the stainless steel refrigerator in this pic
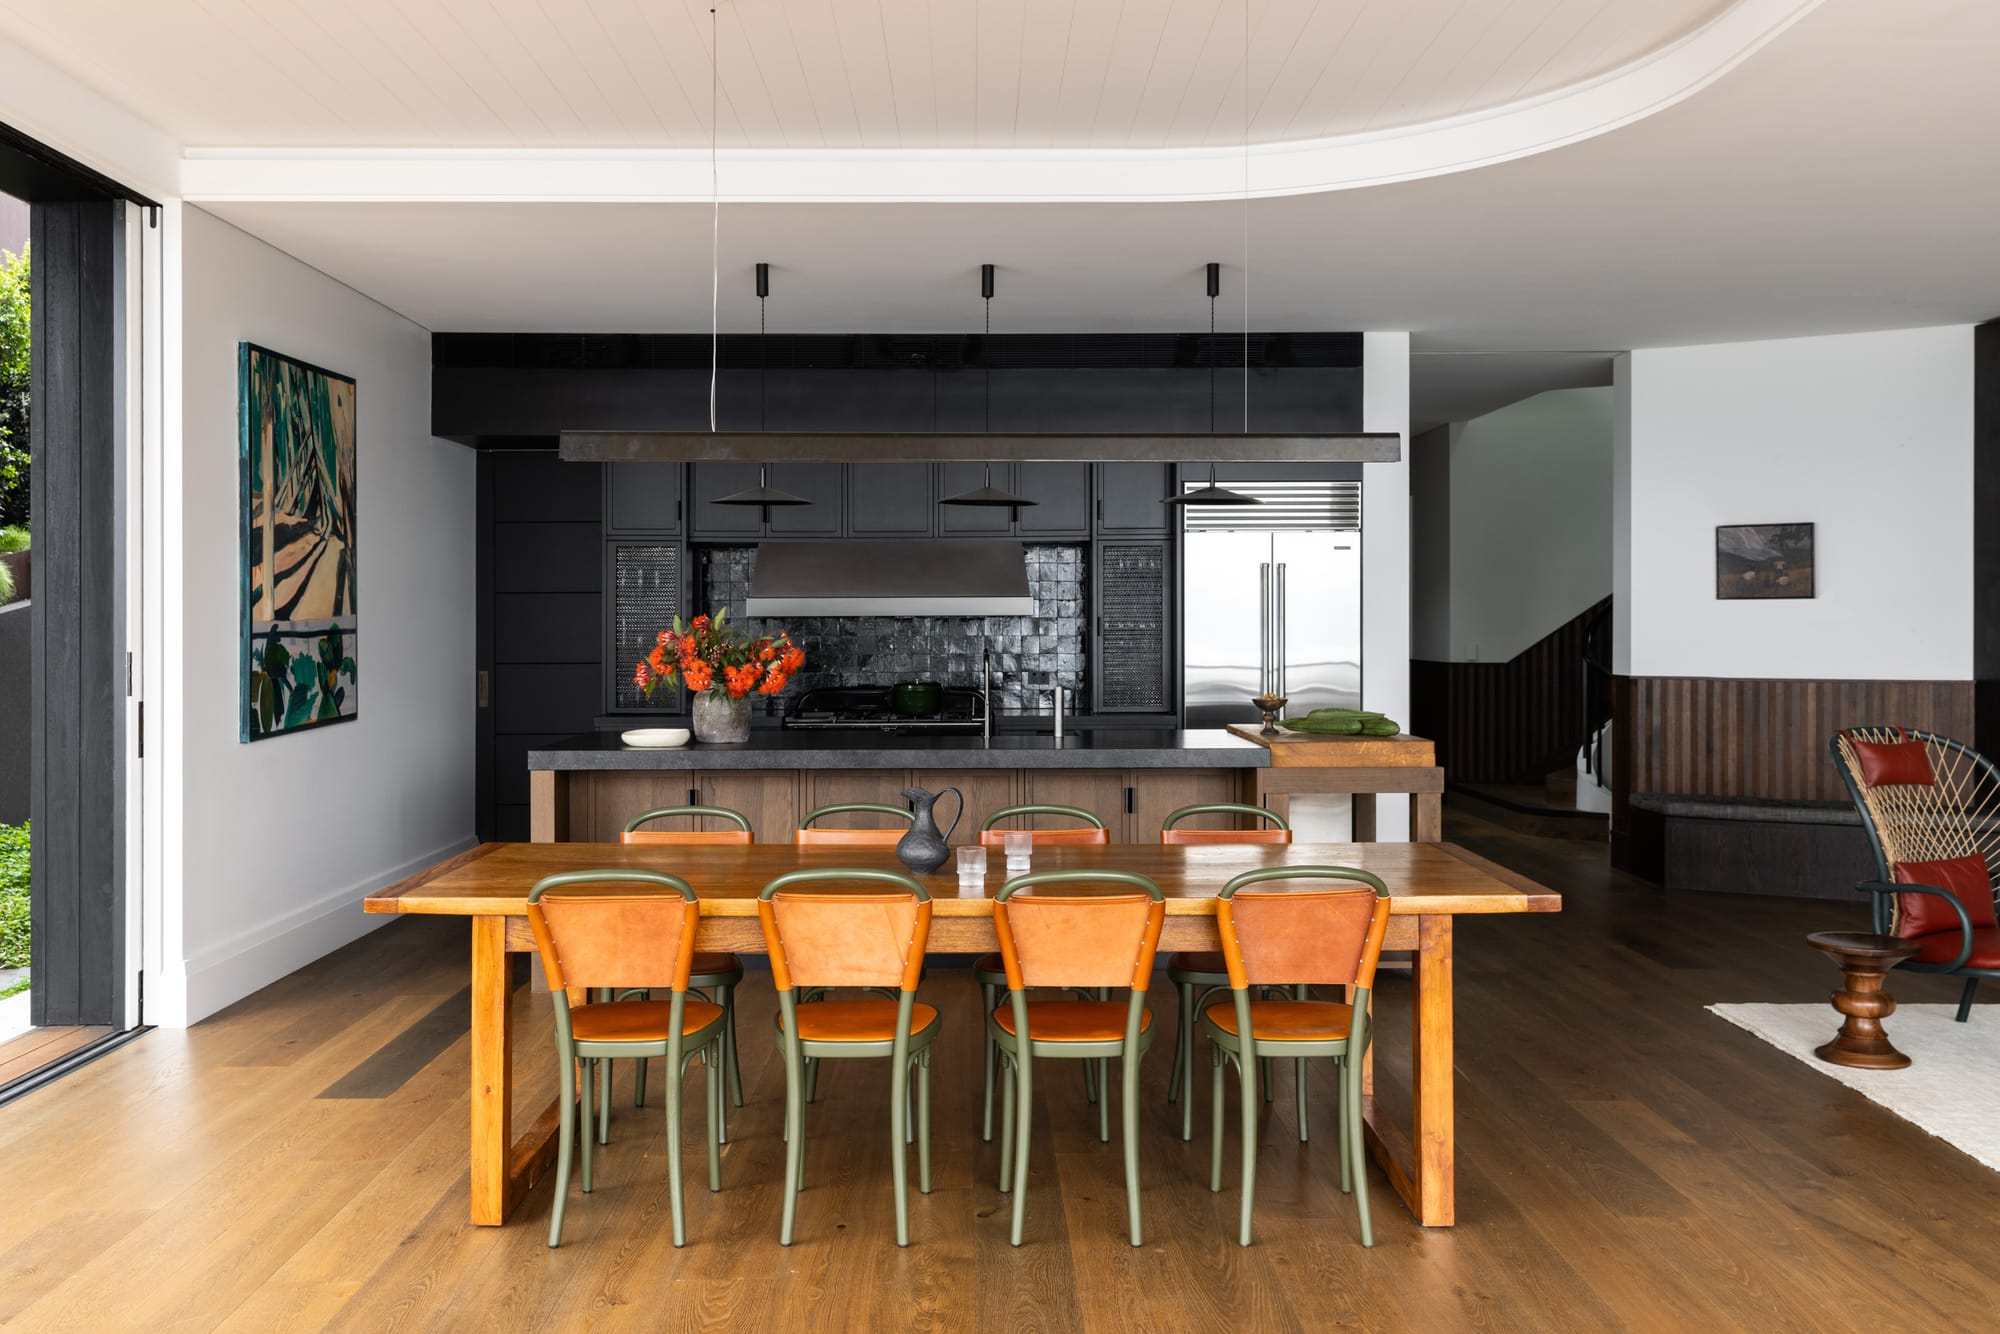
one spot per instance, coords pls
(1272, 600)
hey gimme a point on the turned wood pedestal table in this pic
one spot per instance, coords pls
(1864, 958)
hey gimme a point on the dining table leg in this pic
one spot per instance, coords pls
(1421, 1165)
(503, 1168)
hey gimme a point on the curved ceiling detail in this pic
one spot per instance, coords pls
(1516, 129)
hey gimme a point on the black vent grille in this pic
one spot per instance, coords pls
(646, 595)
(1132, 607)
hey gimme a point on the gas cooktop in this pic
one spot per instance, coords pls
(870, 707)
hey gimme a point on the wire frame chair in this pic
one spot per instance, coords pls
(1931, 800)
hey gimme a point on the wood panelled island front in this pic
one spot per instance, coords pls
(586, 788)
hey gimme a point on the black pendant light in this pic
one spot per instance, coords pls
(1212, 494)
(763, 495)
(988, 494)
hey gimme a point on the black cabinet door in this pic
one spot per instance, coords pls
(714, 480)
(889, 500)
(1062, 495)
(973, 520)
(643, 497)
(816, 482)
(1129, 497)
(1132, 653)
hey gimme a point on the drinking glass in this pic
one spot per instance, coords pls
(1020, 849)
(971, 866)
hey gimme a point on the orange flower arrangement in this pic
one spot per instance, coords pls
(706, 654)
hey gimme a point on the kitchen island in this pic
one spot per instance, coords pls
(584, 788)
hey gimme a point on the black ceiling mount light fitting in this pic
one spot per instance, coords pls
(987, 494)
(1212, 494)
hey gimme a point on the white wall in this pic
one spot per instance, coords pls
(1385, 553)
(1869, 437)
(281, 839)
(1530, 521)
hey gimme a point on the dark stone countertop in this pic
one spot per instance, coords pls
(1100, 748)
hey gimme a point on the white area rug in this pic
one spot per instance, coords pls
(1950, 1086)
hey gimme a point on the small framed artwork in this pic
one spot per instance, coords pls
(298, 571)
(1764, 560)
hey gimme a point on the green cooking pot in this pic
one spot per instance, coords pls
(914, 699)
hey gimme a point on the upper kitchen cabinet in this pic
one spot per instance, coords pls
(1131, 496)
(1060, 492)
(818, 483)
(644, 497)
(890, 500)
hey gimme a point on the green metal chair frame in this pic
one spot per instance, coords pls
(907, 1050)
(904, 813)
(1241, 1046)
(1958, 815)
(719, 985)
(1017, 1065)
(679, 1050)
(1196, 985)
(992, 981)
(1041, 808)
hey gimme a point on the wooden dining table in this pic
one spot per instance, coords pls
(1430, 884)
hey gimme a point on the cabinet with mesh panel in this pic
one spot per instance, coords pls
(1132, 665)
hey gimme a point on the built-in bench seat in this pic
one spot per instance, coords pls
(1748, 845)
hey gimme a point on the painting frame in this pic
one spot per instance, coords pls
(1765, 562)
(298, 567)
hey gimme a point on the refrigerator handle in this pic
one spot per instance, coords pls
(1278, 613)
(1264, 628)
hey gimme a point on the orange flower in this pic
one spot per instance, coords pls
(698, 677)
(657, 659)
(794, 659)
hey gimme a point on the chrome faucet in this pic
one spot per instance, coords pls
(1057, 696)
(985, 692)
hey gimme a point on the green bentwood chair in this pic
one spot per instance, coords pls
(1329, 937)
(987, 969)
(717, 973)
(1198, 974)
(598, 942)
(822, 933)
(1104, 935)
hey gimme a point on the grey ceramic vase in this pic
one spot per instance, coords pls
(924, 849)
(717, 717)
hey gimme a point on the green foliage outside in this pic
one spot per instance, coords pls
(13, 896)
(14, 387)
(14, 327)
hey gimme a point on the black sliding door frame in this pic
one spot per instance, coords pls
(90, 243)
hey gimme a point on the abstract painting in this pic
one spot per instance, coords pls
(1764, 560)
(298, 581)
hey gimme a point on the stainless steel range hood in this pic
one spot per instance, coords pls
(957, 578)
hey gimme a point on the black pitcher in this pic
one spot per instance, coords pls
(924, 849)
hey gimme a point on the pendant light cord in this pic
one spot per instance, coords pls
(986, 355)
(1246, 217)
(714, 218)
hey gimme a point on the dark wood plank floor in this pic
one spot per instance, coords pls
(1626, 1161)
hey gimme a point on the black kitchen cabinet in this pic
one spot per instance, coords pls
(1062, 495)
(1130, 498)
(890, 500)
(819, 483)
(1061, 492)
(1132, 656)
(644, 497)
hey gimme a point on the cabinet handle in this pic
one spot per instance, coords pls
(1131, 801)
(694, 796)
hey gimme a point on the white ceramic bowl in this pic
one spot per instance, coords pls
(656, 738)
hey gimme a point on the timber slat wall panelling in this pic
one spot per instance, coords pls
(1506, 722)
(77, 728)
(1699, 736)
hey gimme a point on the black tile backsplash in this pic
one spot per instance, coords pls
(1030, 653)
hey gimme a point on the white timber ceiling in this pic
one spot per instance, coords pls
(820, 74)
